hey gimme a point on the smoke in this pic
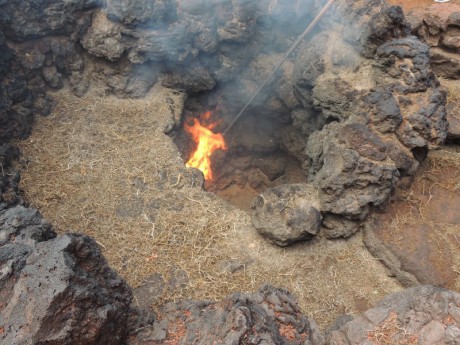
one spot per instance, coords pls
(225, 47)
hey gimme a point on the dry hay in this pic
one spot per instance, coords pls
(442, 169)
(102, 166)
(440, 174)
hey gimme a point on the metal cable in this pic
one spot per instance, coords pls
(278, 65)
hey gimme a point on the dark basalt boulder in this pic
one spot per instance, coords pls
(194, 78)
(269, 316)
(440, 30)
(334, 226)
(53, 290)
(387, 24)
(16, 98)
(103, 38)
(369, 23)
(350, 170)
(382, 109)
(287, 214)
(9, 178)
(141, 12)
(56, 290)
(421, 315)
(24, 20)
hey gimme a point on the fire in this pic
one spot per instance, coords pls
(206, 143)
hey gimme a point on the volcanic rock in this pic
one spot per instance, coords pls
(103, 38)
(367, 103)
(273, 166)
(310, 63)
(349, 165)
(287, 213)
(385, 25)
(421, 315)
(26, 20)
(269, 316)
(21, 225)
(194, 78)
(16, 99)
(405, 63)
(380, 109)
(440, 30)
(453, 109)
(386, 116)
(56, 289)
(174, 45)
(124, 79)
(52, 77)
(67, 55)
(335, 226)
(9, 179)
(292, 141)
(140, 12)
(445, 63)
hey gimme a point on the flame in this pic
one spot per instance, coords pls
(206, 143)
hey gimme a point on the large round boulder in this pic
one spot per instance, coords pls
(287, 213)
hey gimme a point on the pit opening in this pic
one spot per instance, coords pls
(103, 166)
(158, 228)
(255, 158)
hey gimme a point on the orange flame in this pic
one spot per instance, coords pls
(206, 143)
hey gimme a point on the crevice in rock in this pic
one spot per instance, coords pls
(420, 153)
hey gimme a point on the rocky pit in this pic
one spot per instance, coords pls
(340, 156)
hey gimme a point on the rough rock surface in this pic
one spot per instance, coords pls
(9, 179)
(364, 74)
(56, 290)
(422, 315)
(269, 316)
(103, 38)
(440, 29)
(453, 109)
(218, 38)
(140, 12)
(25, 20)
(383, 108)
(350, 182)
(287, 213)
(336, 226)
(16, 100)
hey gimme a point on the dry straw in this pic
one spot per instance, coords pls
(103, 166)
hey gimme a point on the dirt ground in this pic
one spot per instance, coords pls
(421, 226)
(103, 167)
(408, 5)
